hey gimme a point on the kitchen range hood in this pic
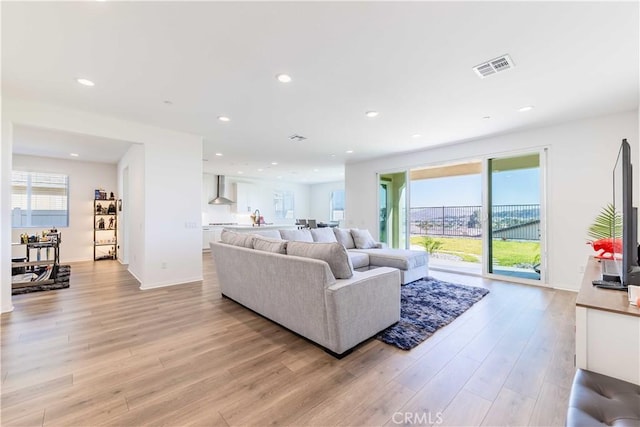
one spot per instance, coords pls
(220, 199)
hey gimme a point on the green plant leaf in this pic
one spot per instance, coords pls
(607, 224)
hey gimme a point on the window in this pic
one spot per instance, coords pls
(337, 205)
(39, 199)
(283, 204)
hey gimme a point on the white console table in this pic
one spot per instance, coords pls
(607, 330)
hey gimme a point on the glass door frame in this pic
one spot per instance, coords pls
(407, 198)
(542, 155)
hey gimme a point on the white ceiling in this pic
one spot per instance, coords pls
(35, 141)
(411, 61)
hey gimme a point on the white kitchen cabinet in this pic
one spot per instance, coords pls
(207, 236)
(243, 197)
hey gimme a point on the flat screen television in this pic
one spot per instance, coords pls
(627, 261)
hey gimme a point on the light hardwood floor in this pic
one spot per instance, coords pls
(105, 353)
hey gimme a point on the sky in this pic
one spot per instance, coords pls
(514, 187)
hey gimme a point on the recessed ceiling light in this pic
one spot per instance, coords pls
(525, 108)
(74, 154)
(224, 119)
(371, 113)
(486, 117)
(260, 170)
(349, 151)
(240, 172)
(316, 170)
(283, 78)
(332, 155)
(85, 82)
(219, 154)
(274, 163)
(416, 135)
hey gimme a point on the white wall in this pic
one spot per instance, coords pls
(5, 215)
(84, 178)
(132, 218)
(320, 199)
(580, 160)
(260, 196)
(172, 189)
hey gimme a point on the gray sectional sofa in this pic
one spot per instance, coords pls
(310, 283)
(365, 253)
(303, 294)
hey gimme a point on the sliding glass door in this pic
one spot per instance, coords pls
(514, 221)
(483, 216)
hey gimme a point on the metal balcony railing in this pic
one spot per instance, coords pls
(512, 222)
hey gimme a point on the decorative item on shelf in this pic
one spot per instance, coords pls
(111, 223)
(112, 196)
(99, 209)
(111, 210)
(606, 232)
(119, 205)
(100, 194)
(100, 224)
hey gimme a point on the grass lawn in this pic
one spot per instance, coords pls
(506, 253)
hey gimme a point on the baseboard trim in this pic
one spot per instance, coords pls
(144, 287)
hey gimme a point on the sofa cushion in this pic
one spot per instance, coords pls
(277, 246)
(343, 236)
(363, 239)
(333, 254)
(359, 259)
(237, 239)
(270, 234)
(297, 235)
(398, 258)
(323, 235)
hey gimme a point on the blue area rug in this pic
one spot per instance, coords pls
(427, 305)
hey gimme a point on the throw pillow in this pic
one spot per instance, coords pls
(323, 235)
(269, 234)
(363, 239)
(333, 254)
(237, 239)
(296, 235)
(343, 237)
(277, 246)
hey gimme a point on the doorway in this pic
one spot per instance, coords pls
(483, 217)
(446, 215)
(392, 205)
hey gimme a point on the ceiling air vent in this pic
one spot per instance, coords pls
(494, 66)
(297, 138)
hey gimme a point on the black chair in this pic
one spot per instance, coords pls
(312, 223)
(301, 223)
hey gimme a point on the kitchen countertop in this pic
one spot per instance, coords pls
(246, 227)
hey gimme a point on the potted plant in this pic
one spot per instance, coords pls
(606, 232)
